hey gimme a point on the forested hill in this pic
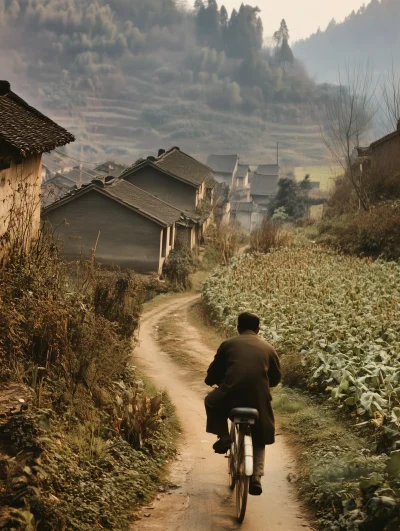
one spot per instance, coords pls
(370, 34)
(132, 75)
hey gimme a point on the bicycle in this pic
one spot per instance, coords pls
(240, 456)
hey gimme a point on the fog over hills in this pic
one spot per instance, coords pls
(370, 34)
(131, 76)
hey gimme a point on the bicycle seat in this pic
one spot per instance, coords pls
(244, 414)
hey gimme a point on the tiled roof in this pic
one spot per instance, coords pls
(210, 182)
(241, 206)
(131, 196)
(264, 185)
(243, 170)
(25, 129)
(183, 166)
(223, 163)
(385, 139)
(268, 169)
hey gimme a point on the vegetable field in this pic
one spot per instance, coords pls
(341, 314)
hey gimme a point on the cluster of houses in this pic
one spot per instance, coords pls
(252, 187)
(128, 216)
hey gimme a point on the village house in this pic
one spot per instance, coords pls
(242, 176)
(382, 156)
(224, 168)
(109, 168)
(25, 134)
(181, 181)
(264, 183)
(120, 223)
(242, 212)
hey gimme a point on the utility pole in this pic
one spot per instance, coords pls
(277, 153)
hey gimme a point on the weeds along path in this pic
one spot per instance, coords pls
(173, 355)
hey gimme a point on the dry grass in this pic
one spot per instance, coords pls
(269, 235)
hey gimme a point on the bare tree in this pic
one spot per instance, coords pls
(391, 98)
(350, 109)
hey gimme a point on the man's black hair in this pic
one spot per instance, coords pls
(248, 321)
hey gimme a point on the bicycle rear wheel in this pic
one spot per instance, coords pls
(242, 481)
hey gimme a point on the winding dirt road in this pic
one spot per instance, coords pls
(203, 501)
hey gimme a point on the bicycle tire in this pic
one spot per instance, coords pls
(242, 481)
(231, 459)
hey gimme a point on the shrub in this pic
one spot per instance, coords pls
(374, 233)
(223, 242)
(181, 263)
(269, 235)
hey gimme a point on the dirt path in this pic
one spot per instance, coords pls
(203, 500)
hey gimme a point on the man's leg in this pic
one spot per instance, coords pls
(259, 460)
(217, 423)
(255, 488)
(217, 420)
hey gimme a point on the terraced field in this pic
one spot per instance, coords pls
(146, 118)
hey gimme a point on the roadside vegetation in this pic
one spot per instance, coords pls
(83, 441)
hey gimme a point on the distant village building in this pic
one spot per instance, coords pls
(242, 176)
(264, 183)
(25, 134)
(242, 212)
(181, 181)
(122, 224)
(109, 168)
(224, 168)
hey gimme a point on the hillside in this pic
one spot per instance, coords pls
(371, 34)
(129, 77)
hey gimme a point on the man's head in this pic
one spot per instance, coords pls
(248, 321)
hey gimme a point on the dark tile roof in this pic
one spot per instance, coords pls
(267, 169)
(241, 206)
(210, 182)
(264, 185)
(129, 195)
(390, 136)
(223, 163)
(26, 129)
(243, 170)
(183, 166)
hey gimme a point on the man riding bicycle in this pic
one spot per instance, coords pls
(245, 368)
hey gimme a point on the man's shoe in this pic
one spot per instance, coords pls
(255, 488)
(222, 445)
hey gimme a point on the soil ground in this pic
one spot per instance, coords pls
(174, 354)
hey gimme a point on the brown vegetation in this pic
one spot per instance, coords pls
(269, 235)
(66, 332)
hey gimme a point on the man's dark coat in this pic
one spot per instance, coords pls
(245, 368)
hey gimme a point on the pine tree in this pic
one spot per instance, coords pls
(223, 15)
(281, 34)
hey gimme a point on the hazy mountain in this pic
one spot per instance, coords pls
(129, 76)
(371, 34)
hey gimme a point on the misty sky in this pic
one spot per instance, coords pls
(302, 16)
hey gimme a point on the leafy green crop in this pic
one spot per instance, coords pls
(341, 313)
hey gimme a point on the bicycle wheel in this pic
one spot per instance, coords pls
(231, 459)
(242, 481)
